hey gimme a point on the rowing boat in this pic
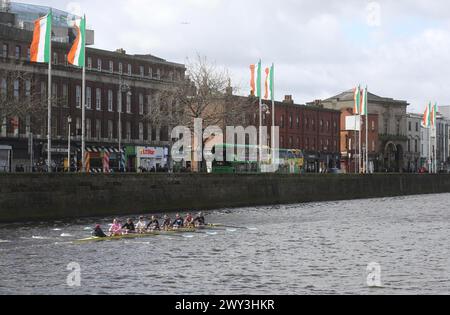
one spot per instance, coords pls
(139, 235)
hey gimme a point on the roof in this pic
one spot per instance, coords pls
(349, 94)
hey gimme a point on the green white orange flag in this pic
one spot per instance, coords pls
(363, 108)
(42, 35)
(357, 100)
(269, 84)
(76, 55)
(433, 116)
(255, 80)
(426, 121)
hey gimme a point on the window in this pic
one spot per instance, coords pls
(28, 54)
(120, 68)
(386, 126)
(110, 100)
(99, 64)
(110, 129)
(98, 99)
(150, 73)
(130, 72)
(298, 122)
(111, 66)
(409, 145)
(290, 122)
(27, 88)
(88, 98)
(398, 127)
(409, 126)
(321, 124)
(149, 132)
(328, 125)
(43, 90)
(78, 96)
(54, 94)
(373, 145)
(98, 129)
(128, 131)
(141, 131)
(313, 125)
(5, 51)
(65, 95)
(282, 141)
(141, 104)
(158, 74)
(128, 103)
(16, 90)
(18, 52)
(141, 71)
(89, 63)
(416, 146)
(282, 121)
(291, 140)
(78, 126)
(373, 125)
(149, 104)
(55, 58)
(88, 128)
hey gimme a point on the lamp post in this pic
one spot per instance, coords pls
(69, 122)
(123, 88)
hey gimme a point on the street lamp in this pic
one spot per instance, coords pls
(123, 88)
(69, 122)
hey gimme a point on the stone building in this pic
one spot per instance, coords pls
(139, 78)
(392, 127)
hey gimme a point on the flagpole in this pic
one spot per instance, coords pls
(359, 155)
(367, 128)
(83, 111)
(49, 99)
(273, 113)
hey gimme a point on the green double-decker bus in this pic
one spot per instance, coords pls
(290, 161)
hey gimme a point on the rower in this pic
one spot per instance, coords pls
(189, 221)
(178, 223)
(141, 225)
(153, 225)
(200, 219)
(116, 228)
(129, 227)
(167, 223)
(98, 232)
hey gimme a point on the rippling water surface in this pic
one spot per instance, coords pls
(317, 248)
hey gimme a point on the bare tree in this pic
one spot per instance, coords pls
(21, 98)
(206, 93)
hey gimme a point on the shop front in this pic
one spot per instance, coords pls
(5, 158)
(103, 159)
(151, 159)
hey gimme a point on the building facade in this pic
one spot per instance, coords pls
(313, 130)
(413, 152)
(137, 80)
(392, 126)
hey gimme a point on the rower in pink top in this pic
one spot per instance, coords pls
(116, 228)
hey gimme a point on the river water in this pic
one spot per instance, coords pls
(315, 248)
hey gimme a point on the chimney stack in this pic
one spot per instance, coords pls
(288, 99)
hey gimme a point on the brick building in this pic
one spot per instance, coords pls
(312, 129)
(146, 76)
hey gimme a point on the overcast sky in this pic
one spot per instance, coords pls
(399, 48)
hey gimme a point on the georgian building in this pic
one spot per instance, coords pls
(107, 73)
(392, 127)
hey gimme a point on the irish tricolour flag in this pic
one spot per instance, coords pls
(76, 55)
(40, 47)
(255, 80)
(269, 84)
(426, 121)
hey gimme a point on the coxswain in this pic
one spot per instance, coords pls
(98, 232)
(129, 227)
(200, 219)
(178, 223)
(116, 228)
(153, 225)
(141, 225)
(189, 221)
